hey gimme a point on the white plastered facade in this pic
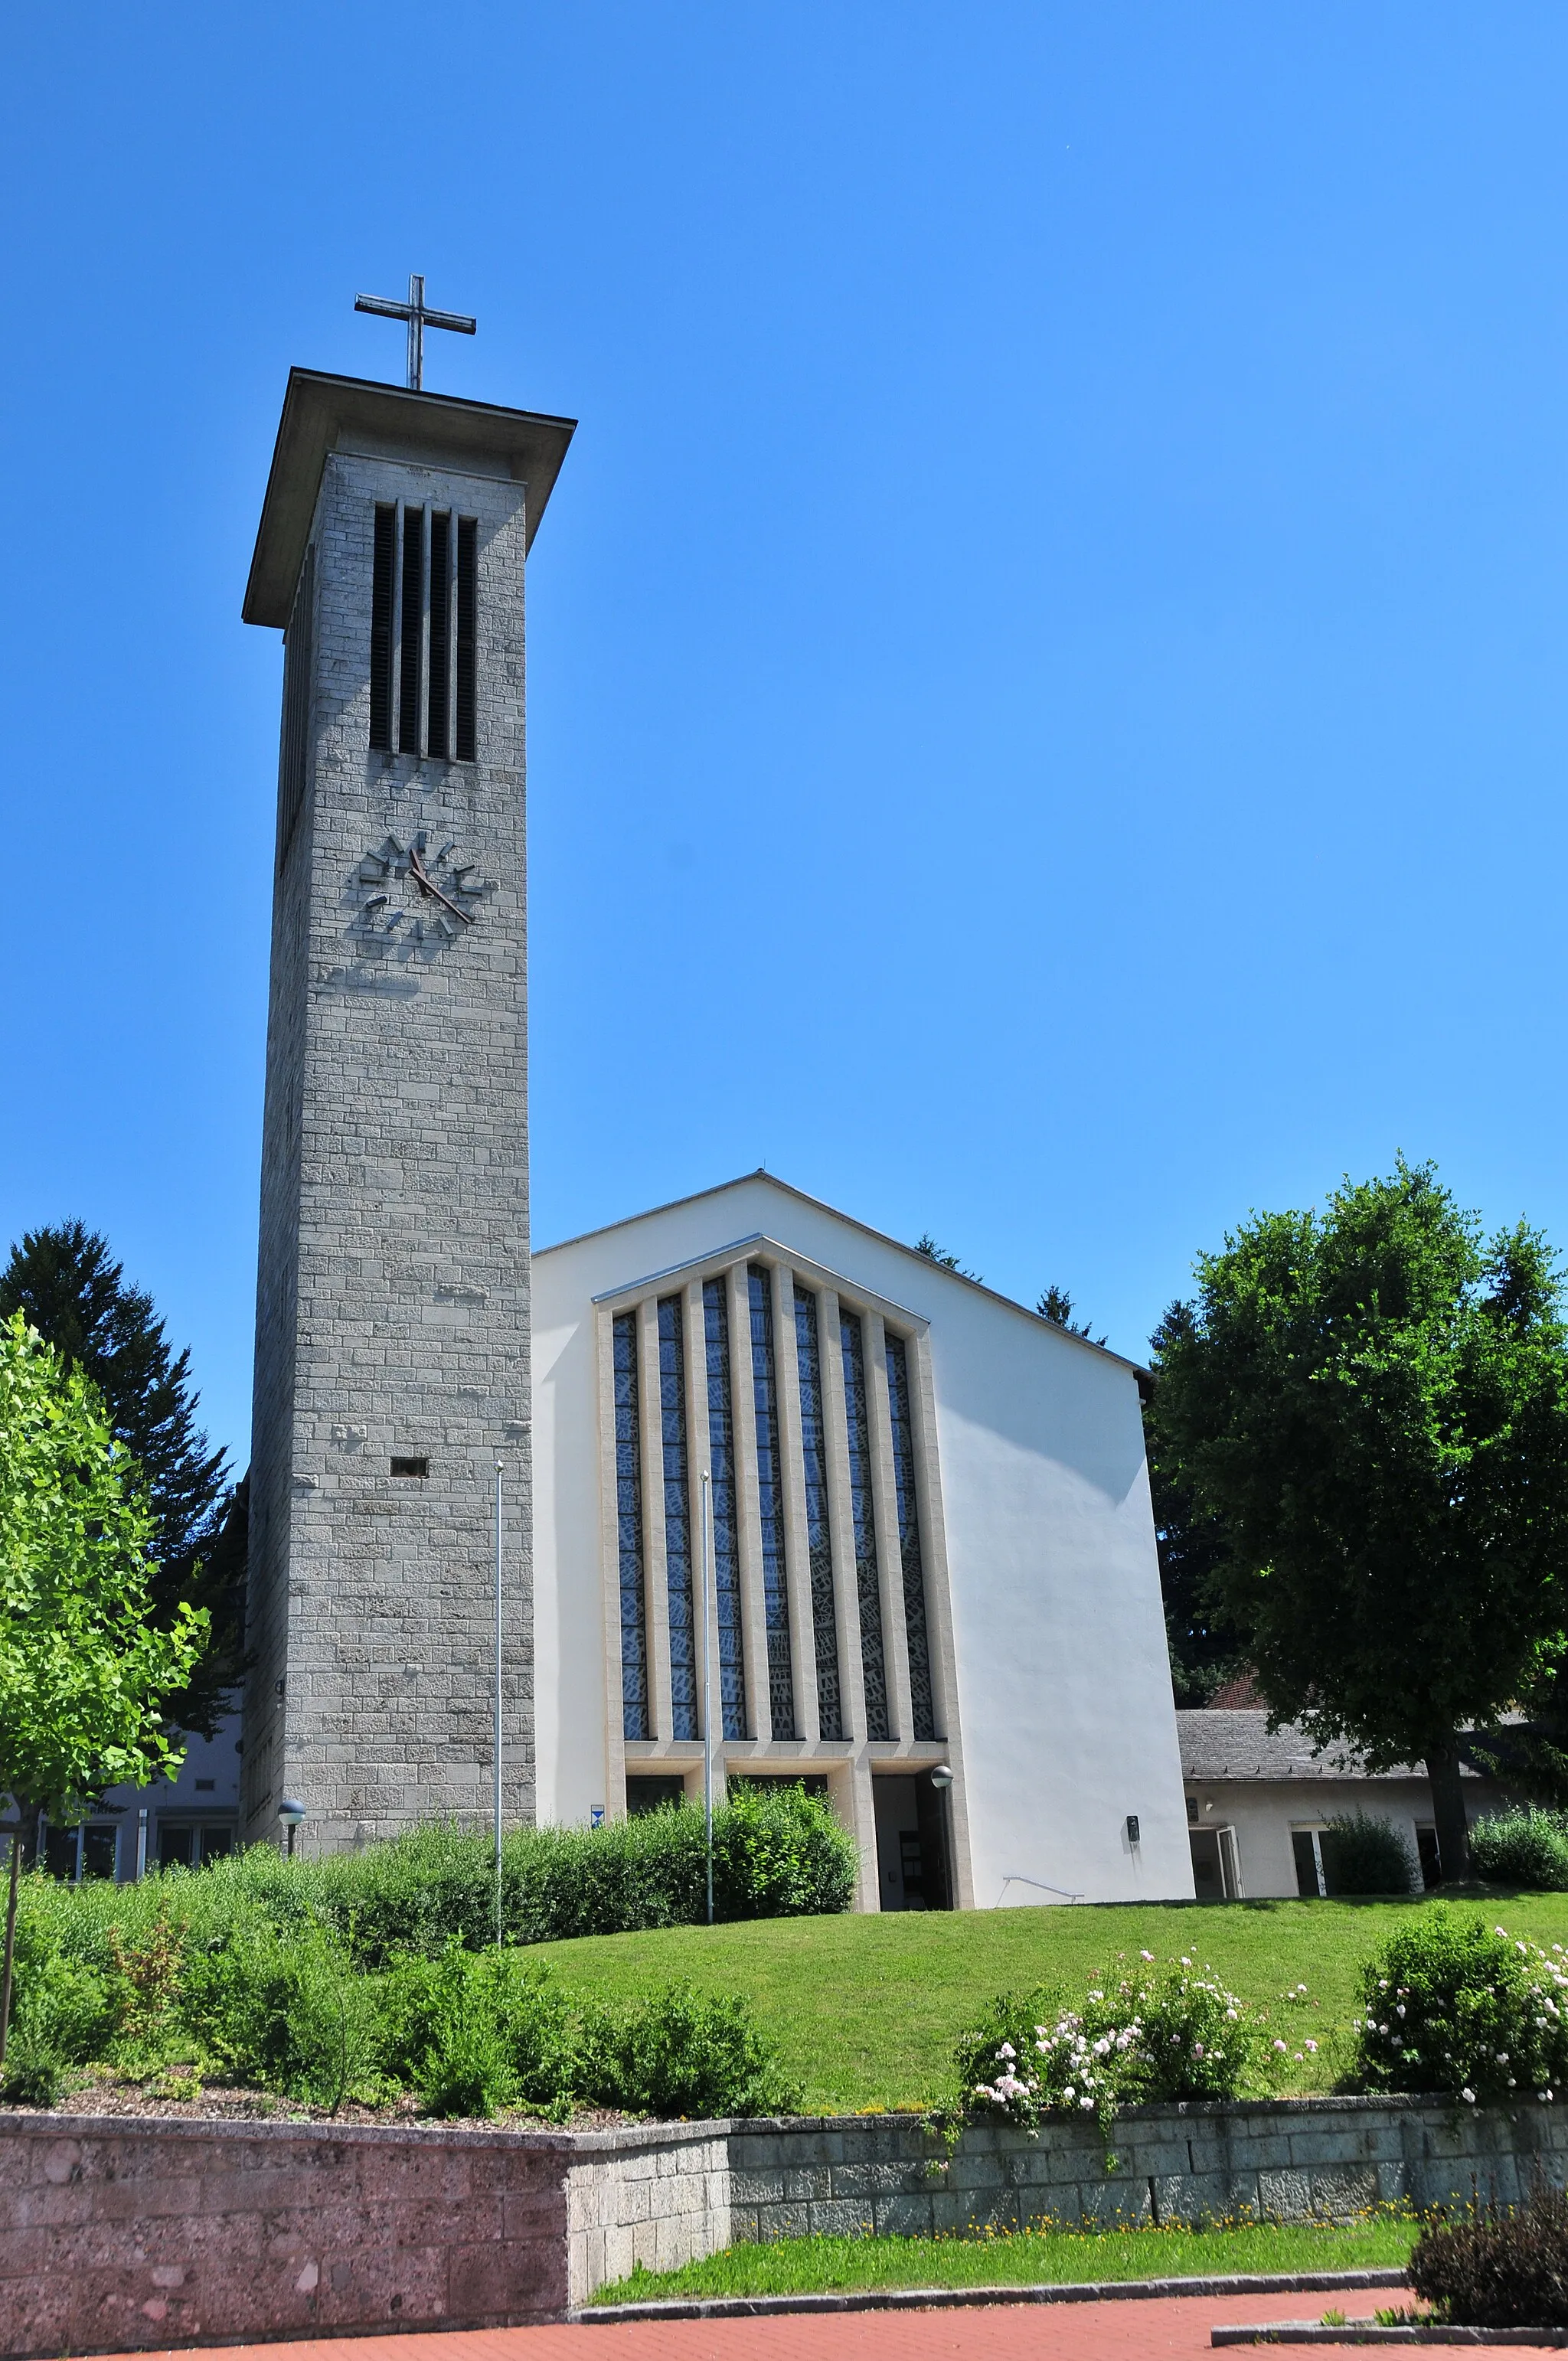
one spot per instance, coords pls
(1050, 1689)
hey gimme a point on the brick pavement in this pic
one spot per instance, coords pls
(1176, 2326)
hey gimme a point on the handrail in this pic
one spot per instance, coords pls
(1017, 1878)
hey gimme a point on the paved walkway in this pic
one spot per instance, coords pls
(1174, 2326)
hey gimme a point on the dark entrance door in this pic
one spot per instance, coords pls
(913, 1848)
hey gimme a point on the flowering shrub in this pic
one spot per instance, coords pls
(1180, 2035)
(1451, 2004)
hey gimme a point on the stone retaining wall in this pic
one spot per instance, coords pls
(117, 2235)
(1300, 2160)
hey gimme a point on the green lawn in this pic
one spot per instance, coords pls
(865, 2011)
(1025, 2259)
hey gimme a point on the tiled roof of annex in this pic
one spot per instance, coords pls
(1239, 1745)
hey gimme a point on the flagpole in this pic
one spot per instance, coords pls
(499, 1465)
(707, 1698)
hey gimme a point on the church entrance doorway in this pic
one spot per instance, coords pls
(913, 1869)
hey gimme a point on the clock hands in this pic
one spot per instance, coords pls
(377, 921)
(427, 884)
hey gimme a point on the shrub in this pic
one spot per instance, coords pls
(777, 1853)
(1527, 1847)
(63, 2018)
(1177, 2036)
(780, 1853)
(1498, 2266)
(1363, 1854)
(286, 2013)
(1451, 2004)
(475, 2031)
(678, 2053)
(146, 1971)
(364, 1973)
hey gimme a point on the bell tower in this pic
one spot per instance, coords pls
(393, 1295)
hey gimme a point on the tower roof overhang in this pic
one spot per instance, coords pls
(323, 413)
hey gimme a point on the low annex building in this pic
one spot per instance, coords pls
(931, 1546)
(1257, 1801)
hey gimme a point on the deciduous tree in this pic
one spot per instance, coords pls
(1371, 1404)
(82, 1666)
(68, 1286)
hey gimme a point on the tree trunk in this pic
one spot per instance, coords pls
(1448, 1811)
(10, 1941)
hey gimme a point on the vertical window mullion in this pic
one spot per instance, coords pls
(677, 1488)
(917, 1632)
(726, 1508)
(818, 1529)
(770, 1500)
(467, 639)
(438, 735)
(629, 1522)
(383, 568)
(856, 1422)
(411, 680)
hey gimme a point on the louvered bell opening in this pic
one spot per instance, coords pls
(412, 632)
(381, 567)
(440, 721)
(467, 572)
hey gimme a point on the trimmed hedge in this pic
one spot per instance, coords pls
(778, 1853)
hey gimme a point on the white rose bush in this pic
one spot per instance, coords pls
(1451, 2004)
(1135, 2038)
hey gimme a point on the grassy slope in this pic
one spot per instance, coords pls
(866, 2010)
(1026, 2258)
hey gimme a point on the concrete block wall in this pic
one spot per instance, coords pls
(1300, 2160)
(659, 2196)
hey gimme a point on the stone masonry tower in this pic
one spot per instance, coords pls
(392, 1299)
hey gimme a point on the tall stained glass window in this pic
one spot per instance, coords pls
(726, 1506)
(909, 1540)
(814, 1448)
(769, 1495)
(629, 1520)
(677, 1517)
(867, 1588)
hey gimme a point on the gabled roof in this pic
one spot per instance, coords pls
(1240, 1745)
(820, 1205)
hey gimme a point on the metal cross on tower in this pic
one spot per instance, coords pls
(419, 315)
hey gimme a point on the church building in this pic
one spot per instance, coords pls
(929, 1549)
(757, 1462)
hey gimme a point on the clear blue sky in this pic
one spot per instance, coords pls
(1047, 676)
